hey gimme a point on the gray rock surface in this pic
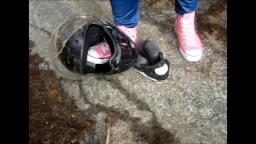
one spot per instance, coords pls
(188, 108)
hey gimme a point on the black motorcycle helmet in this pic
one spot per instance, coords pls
(72, 40)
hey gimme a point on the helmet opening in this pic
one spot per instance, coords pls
(79, 45)
(75, 41)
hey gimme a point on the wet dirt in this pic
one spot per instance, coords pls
(53, 118)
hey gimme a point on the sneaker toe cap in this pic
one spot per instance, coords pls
(194, 52)
(192, 55)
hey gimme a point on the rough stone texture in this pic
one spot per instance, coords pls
(188, 108)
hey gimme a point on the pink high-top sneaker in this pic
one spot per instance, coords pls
(101, 53)
(132, 33)
(191, 46)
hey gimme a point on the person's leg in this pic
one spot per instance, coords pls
(126, 12)
(126, 15)
(186, 6)
(191, 46)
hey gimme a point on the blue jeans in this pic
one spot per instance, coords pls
(127, 12)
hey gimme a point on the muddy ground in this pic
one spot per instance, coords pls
(53, 117)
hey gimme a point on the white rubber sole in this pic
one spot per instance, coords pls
(183, 54)
(189, 57)
(96, 60)
(154, 80)
(147, 76)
